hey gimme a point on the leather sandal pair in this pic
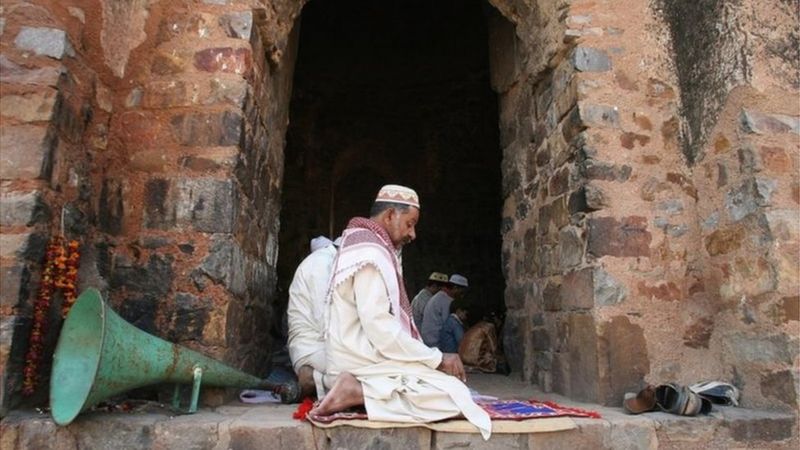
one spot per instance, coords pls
(672, 398)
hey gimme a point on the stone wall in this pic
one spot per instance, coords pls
(53, 110)
(158, 126)
(650, 231)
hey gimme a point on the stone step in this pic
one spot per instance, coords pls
(241, 426)
(260, 427)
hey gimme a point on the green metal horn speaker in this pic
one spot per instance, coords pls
(99, 355)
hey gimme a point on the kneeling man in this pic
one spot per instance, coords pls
(373, 345)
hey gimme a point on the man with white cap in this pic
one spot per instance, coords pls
(438, 308)
(436, 281)
(374, 347)
(306, 340)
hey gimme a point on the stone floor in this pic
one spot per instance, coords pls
(240, 426)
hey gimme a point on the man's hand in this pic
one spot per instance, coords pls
(451, 365)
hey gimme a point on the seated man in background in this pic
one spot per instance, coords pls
(436, 281)
(453, 328)
(438, 308)
(480, 348)
(306, 339)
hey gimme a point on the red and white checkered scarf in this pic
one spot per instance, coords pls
(364, 242)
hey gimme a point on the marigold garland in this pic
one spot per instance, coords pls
(60, 272)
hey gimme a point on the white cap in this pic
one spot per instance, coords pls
(459, 280)
(394, 193)
(320, 242)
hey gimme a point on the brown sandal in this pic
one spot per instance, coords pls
(644, 401)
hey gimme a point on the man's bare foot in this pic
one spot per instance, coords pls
(346, 393)
(305, 377)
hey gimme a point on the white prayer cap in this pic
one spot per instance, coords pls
(320, 242)
(459, 280)
(393, 193)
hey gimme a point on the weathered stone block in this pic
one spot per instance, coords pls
(577, 289)
(761, 430)
(28, 246)
(588, 59)
(698, 334)
(389, 439)
(551, 297)
(684, 183)
(662, 290)
(224, 59)
(780, 387)
(22, 209)
(598, 115)
(189, 317)
(596, 170)
(140, 129)
(44, 41)
(559, 182)
(625, 237)
(11, 72)
(447, 441)
(761, 123)
(146, 285)
(744, 348)
(14, 286)
(111, 207)
(624, 351)
(725, 240)
(206, 204)
(571, 244)
(748, 197)
(512, 344)
(775, 159)
(583, 357)
(158, 209)
(207, 129)
(29, 107)
(26, 152)
(167, 64)
(238, 24)
(224, 264)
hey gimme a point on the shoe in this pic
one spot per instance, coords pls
(289, 392)
(680, 400)
(717, 392)
(644, 401)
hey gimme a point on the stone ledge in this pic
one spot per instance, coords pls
(240, 426)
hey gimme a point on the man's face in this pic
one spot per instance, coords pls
(401, 226)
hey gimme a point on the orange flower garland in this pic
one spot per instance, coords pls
(60, 272)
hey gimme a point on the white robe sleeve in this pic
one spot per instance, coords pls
(303, 328)
(381, 328)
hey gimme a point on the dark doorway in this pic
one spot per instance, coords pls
(397, 91)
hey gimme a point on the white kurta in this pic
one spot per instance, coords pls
(305, 314)
(397, 372)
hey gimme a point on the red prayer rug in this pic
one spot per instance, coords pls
(497, 410)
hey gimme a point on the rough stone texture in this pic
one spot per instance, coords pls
(591, 60)
(25, 152)
(14, 286)
(31, 107)
(123, 31)
(760, 123)
(627, 237)
(18, 208)
(628, 363)
(238, 24)
(50, 42)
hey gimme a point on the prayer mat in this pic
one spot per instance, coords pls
(508, 416)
